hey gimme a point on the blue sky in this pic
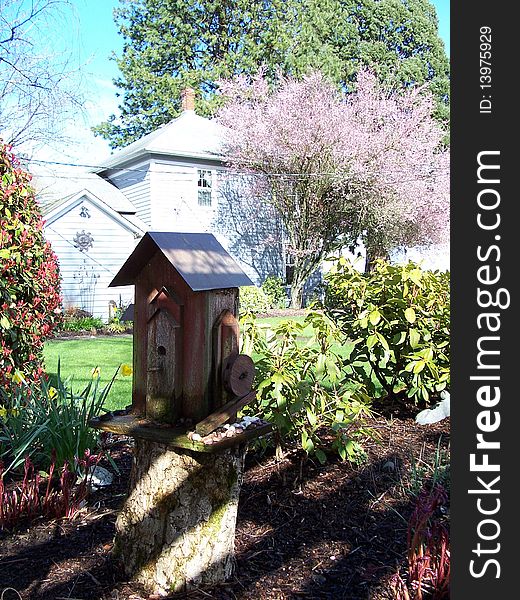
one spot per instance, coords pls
(92, 37)
(443, 12)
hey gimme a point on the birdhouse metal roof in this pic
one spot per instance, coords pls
(198, 258)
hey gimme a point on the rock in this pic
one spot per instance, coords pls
(100, 478)
(434, 415)
(389, 466)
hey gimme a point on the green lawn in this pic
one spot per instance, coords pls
(79, 357)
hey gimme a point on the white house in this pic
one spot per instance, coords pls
(92, 228)
(173, 179)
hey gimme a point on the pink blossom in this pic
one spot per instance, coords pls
(371, 161)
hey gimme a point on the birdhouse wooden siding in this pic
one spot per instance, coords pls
(185, 329)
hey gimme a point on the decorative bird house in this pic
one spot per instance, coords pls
(187, 369)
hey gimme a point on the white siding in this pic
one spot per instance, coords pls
(135, 185)
(86, 274)
(174, 198)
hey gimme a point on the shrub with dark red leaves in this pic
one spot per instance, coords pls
(29, 277)
(428, 550)
(32, 496)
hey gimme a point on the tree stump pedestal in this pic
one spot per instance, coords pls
(176, 530)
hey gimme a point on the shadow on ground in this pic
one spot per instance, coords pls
(304, 531)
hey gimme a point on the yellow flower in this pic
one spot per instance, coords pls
(96, 372)
(15, 412)
(18, 377)
(3, 412)
(126, 370)
(52, 392)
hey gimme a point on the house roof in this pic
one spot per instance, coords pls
(198, 258)
(189, 135)
(56, 187)
(58, 209)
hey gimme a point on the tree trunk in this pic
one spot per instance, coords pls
(373, 253)
(177, 528)
(296, 294)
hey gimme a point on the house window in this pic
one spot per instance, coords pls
(289, 268)
(204, 187)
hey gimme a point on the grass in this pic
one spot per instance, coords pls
(80, 356)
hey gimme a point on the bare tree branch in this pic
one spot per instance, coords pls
(38, 85)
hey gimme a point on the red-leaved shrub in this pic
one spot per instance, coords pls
(29, 277)
(34, 497)
(428, 541)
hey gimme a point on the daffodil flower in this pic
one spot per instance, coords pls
(96, 372)
(18, 377)
(126, 370)
(52, 392)
(3, 412)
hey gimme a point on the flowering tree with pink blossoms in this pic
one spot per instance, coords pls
(337, 168)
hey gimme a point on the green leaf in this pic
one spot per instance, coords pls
(415, 338)
(5, 253)
(342, 451)
(419, 366)
(333, 371)
(409, 315)
(320, 364)
(371, 341)
(307, 444)
(321, 456)
(5, 323)
(416, 277)
(383, 341)
(374, 317)
(311, 417)
(409, 366)
(399, 387)
(399, 338)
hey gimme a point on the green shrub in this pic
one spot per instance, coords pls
(253, 300)
(274, 289)
(48, 422)
(302, 389)
(116, 327)
(398, 318)
(82, 324)
(29, 278)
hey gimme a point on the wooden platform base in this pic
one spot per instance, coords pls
(177, 437)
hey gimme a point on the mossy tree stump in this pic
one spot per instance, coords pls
(176, 530)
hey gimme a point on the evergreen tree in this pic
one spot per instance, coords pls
(397, 40)
(170, 44)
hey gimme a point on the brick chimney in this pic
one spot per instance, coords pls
(188, 99)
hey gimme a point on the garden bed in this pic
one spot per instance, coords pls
(304, 530)
(72, 335)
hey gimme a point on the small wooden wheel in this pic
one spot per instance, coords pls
(239, 374)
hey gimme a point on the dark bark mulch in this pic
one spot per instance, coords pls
(304, 530)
